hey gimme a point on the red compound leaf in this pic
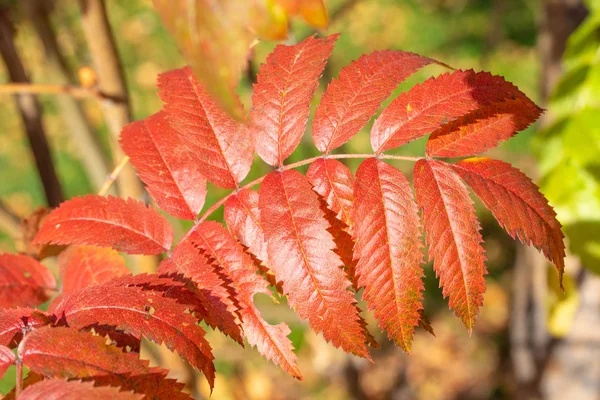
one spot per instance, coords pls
(125, 225)
(270, 340)
(281, 100)
(220, 146)
(165, 165)
(452, 234)
(83, 266)
(139, 312)
(59, 389)
(24, 281)
(68, 353)
(517, 204)
(426, 107)
(352, 99)
(388, 249)
(301, 254)
(216, 296)
(483, 129)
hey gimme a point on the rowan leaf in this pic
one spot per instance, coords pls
(220, 146)
(352, 99)
(388, 248)
(482, 129)
(334, 182)
(270, 340)
(426, 107)
(517, 204)
(213, 289)
(140, 312)
(243, 220)
(59, 389)
(83, 266)
(165, 165)
(7, 358)
(24, 281)
(281, 100)
(125, 225)
(452, 235)
(301, 254)
(68, 353)
(344, 248)
(242, 217)
(15, 321)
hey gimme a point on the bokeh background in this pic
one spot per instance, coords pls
(531, 340)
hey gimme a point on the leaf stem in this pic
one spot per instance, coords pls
(19, 379)
(113, 176)
(298, 164)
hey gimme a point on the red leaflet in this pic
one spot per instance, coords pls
(125, 225)
(483, 129)
(437, 101)
(243, 220)
(24, 281)
(270, 340)
(388, 248)
(221, 147)
(165, 165)
(452, 234)
(335, 183)
(15, 321)
(58, 389)
(85, 266)
(281, 100)
(517, 204)
(69, 353)
(351, 100)
(7, 358)
(215, 295)
(139, 312)
(301, 254)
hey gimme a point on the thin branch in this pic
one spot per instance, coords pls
(30, 113)
(113, 176)
(111, 82)
(19, 378)
(10, 223)
(77, 92)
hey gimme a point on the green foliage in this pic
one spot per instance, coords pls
(569, 148)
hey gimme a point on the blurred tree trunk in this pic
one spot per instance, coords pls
(546, 367)
(573, 366)
(31, 112)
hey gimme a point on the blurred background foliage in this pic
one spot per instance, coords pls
(501, 36)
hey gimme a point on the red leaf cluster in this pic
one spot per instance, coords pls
(318, 239)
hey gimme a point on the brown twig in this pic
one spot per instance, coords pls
(10, 223)
(77, 92)
(30, 113)
(91, 153)
(113, 176)
(111, 82)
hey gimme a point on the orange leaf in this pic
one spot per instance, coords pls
(453, 238)
(388, 249)
(517, 204)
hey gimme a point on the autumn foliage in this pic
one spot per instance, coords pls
(317, 238)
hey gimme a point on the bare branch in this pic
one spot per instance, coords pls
(30, 113)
